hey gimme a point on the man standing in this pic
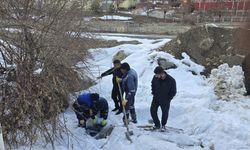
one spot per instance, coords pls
(246, 69)
(129, 86)
(163, 90)
(116, 71)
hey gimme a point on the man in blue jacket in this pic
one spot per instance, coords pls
(163, 90)
(90, 105)
(129, 86)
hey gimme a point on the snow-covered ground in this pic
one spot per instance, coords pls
(206, 122)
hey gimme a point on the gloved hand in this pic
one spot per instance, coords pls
(104, 122)
(91, 113)
(124, 102)
(118, 80)
(99, 77)
(81, 122)
(94, 121)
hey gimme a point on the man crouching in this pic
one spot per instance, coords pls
(91, 111)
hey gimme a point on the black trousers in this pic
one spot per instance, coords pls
(116, 97)
(81, 113)
(165, 110)
(247, 83)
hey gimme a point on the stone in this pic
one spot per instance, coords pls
(206, 44)
(165, 64)
(120, 55)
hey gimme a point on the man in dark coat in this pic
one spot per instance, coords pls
(163, 90)
(129, 87)
(90, 105)
(246, 69)
(116, 71)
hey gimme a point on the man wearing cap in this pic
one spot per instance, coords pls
(116, 72)
(90, 105)
(163, 90)
(129, 86)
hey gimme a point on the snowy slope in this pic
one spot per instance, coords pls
(206, 122)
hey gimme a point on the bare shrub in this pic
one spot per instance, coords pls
(95, 6)
(37, 38)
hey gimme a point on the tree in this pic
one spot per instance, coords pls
(37, 35)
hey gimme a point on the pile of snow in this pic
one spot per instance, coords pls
(115, 17)
(228, 82)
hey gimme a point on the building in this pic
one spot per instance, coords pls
(221, 4)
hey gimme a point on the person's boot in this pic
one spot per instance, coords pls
(156, 127)
(134, 120)
(115, 109)
(81, 123)
(120, 111)
(163, 129)
(116, 106)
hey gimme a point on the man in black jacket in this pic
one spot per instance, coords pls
(116, 71)
(246, 69)
(163, 90)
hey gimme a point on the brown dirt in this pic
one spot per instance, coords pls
(211, 46)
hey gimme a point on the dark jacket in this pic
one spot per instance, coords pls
(246, 69)
(85, 99)
(101, 106)
(163, 90)
(130, 82)
(116, 73)
(246, 65)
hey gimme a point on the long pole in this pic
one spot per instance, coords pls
(128, 133)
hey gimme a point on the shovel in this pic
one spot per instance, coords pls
(128, 133)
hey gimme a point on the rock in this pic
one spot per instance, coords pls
(206, 44)
(106, 131)
(223, 44)
(120, 55)
(165, 64)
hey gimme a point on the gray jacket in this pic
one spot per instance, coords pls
(130, 82)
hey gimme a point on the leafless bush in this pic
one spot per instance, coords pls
(37, 34)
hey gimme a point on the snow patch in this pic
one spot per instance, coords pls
(228, 82)
(114, 17)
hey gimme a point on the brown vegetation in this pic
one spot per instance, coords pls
(34, 35)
